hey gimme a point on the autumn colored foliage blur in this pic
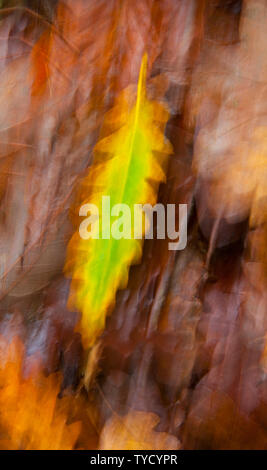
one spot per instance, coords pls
(177, 356)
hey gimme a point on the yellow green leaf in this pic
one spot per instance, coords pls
(128, 165)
